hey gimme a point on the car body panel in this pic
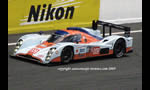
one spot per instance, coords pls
(36, 47)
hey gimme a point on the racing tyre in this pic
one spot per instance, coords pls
(67, 55)
(119, 48)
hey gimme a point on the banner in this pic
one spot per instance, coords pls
(36, 15)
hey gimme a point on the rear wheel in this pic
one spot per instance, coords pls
(119, 48)
(67, 55)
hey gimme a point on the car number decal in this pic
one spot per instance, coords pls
(33, 50)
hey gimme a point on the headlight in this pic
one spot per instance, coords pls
(53, 50)
(50, 52)
(47, 58)
(20, 42)
(15, 50)
(18, 45)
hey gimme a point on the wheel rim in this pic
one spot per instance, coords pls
(120, 48)
(67, 55)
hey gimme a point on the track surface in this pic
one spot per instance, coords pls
(28, 75)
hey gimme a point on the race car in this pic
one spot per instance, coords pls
(74, 43)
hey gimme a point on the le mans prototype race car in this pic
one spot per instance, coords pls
(74, 43)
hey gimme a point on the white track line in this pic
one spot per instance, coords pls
(10, 44)
(115, 33)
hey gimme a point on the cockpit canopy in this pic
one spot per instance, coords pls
(62, 36)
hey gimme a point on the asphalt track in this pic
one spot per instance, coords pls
(126, 75)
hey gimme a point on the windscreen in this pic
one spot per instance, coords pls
(72, 38)
(53, 38)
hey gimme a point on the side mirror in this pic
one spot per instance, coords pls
(77, 41)
(41, 32)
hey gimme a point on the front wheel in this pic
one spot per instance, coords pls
(119, 48)
(67, 55)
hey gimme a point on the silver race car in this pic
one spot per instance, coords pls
(74, 43)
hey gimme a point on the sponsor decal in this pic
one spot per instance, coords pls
(40, 56)
(82, 50)
(95, 50)
(56, 52)
(51, 13)
(81, 55)
(34, 50)
(77, 51)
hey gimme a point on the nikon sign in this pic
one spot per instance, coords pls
(33, 16)
(50, 15)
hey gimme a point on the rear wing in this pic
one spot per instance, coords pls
(111, 25)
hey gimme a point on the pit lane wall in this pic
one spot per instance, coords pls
(36, 15)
